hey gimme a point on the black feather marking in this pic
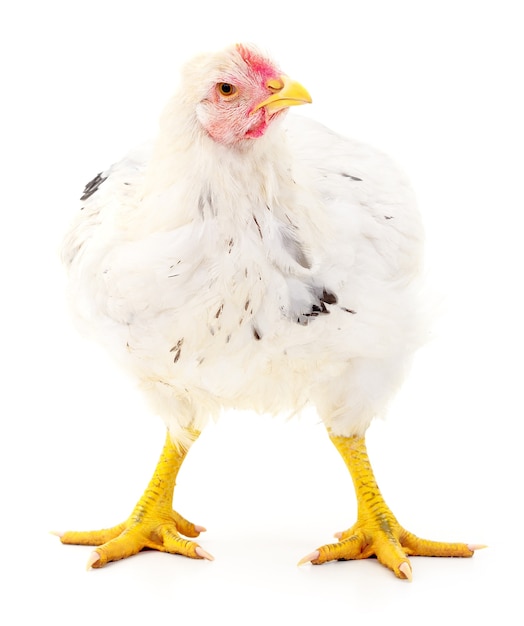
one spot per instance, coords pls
(177, 349)
(92, 186)
(219, 312)
(316, 310)
(345, 175)
(328, 297)
(256, 334)
(205, 205)
(258, 226)
(348, 310)
(388, 217)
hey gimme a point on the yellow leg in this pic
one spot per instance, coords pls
(377, 532)
(152, 524)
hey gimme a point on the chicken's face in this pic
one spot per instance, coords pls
(247, 93)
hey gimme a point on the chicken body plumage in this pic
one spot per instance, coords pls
(250, 260)
(291, 277)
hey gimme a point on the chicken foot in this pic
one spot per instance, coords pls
(377, 531)
(153, 523)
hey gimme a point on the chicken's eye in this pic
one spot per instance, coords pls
(226, 89)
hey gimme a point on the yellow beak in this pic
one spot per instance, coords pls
(286, 93)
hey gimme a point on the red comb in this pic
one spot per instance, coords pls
(257, 62)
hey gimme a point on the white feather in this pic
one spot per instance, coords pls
(211, 274)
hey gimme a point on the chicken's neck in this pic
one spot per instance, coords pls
(192, 178)
(256, 192)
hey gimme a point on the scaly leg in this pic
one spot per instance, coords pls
(152, 524)
(377, 532)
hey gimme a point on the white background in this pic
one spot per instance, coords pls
(436, 84)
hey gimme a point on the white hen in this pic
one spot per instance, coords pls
(251, 260)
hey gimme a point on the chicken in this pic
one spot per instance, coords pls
(247, 259)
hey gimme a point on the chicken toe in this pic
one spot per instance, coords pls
(153, 524)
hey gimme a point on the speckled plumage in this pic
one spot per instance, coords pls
(248, 260)
(267, 274)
